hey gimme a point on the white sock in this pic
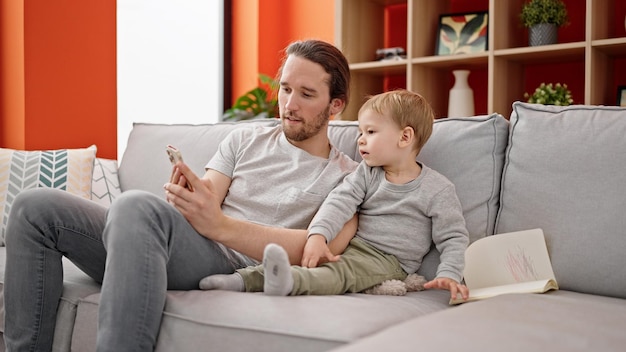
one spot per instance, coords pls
(232, 282)
(278, 279)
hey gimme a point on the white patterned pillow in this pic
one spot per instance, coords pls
(67, 169)
(105, 185)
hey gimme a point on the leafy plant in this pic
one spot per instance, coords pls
(549, 94)
(256, 103)
(544, 11)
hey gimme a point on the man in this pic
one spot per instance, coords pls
(275, 178)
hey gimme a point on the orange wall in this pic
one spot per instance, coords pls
(245, 56)
(58, 64)
(260, 33)
(11, 73)
(59, 75)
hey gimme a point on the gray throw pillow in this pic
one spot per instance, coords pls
(565, 172)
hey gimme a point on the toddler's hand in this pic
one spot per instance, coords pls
(316, 251)
(444, 283)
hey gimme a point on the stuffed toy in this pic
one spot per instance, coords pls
(412, 283)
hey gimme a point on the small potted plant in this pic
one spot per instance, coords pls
(256, 103)
(549, 94)
(542, 18)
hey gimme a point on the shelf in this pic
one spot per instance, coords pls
(453, 61)
(590, 56)
(380, 67)
(544, 53)
(388, 2)
(614, 47)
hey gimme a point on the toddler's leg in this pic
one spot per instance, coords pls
(232, 282)
(278, 277)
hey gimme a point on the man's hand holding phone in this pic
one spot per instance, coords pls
(202, 206)
(175, 156)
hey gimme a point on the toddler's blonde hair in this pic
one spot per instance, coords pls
(406, 108)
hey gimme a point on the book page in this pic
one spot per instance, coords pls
(539, 286)
(509, 258)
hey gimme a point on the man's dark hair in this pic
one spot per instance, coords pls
(330, 58)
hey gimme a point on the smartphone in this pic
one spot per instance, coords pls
(175, 156)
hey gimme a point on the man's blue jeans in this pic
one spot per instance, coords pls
(138, 248)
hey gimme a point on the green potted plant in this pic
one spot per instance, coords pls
(543, 17)
(256, 103)
(549, 94)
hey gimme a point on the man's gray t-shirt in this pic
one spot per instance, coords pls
(274, 182)
(400, 219)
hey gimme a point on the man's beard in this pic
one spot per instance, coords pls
(308, 129)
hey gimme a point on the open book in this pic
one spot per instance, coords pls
(515, 262)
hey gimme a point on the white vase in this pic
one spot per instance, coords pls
(461, 100)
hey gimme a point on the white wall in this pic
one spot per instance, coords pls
(169, 63)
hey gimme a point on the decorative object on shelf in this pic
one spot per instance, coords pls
(386, 54)
(462, 33)
(543, 34)
(255, 104)
(543, 17)
(461, 99)
(550, 94)
(621, 96)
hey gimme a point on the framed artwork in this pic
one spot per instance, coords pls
(621, 96)
(462, 33)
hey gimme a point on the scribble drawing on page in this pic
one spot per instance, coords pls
(520, 265)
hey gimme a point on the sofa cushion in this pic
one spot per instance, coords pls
(145, 165)
(105, 186)
(564, 173)
(344, 135)
(558, 321)
(470, 153)
(66, 169)
(240, 321)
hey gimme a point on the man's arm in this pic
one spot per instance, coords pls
(250, 238)
(202, 208)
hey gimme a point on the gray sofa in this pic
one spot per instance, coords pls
(559, 169)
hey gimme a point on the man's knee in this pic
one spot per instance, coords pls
(130, 214)
(31, 200)
(134, 201)
(30, 207)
